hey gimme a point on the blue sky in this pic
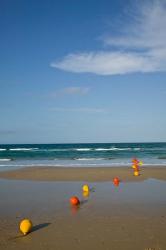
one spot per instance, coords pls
(82, 71)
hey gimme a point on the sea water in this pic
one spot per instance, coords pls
(78, 154)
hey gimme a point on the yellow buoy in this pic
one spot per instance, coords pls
(134, 166)
(140, 163)
(136, 173)
(25, 226)
(85, 188)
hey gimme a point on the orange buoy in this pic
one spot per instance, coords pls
(116, 181)
(74, 200)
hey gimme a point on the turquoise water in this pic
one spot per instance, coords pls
(87, 154)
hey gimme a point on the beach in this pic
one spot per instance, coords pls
(83, 125)
(128, 216)
(83, 174)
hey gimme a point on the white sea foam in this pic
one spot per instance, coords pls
(56, 149)
(5, 159)
(23, 149)
(112, 149)
(102, 149)
(103, 164)
(137, 149)
(2, 149)
(124, 149)
(83, 149)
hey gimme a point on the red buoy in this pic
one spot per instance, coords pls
(74, 201)
(116, 181)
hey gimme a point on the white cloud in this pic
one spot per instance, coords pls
(146, 28)
(108, 63)
(71, 91)
(140, 47)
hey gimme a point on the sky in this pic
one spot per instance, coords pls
(82, 71)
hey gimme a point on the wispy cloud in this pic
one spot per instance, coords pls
(82, 110)
(139, 47)
(71, 91)
(146, 29)
(76, 90)
(108, 63)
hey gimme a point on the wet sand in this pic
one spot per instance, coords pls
(130, 216)
(84, 173)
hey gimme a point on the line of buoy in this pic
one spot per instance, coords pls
(26, 224)
(136, 166)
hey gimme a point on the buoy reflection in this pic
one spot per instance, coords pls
(75, 209)
(85, 193)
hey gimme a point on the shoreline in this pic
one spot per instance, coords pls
(91, 174)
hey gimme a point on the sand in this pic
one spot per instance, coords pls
(130, 216)
(83, 174)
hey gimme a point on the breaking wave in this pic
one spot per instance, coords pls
(5, 159)
(22, 149)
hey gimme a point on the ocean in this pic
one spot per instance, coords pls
(78, 154)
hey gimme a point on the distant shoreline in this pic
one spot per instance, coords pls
(60, 143)
(81, 155)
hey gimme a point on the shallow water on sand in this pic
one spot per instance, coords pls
(29, 198)
(129, 216)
